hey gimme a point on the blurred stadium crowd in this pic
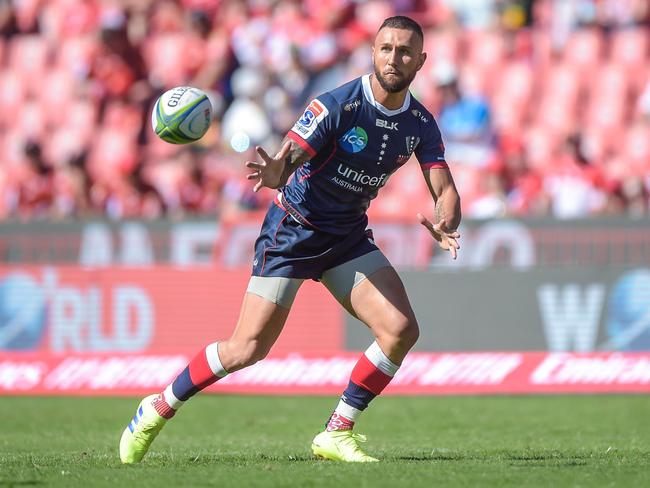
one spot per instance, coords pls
(544, 105)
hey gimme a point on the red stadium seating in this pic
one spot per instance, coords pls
(629, 47)
(441, 45)
(584, 49)
(28, 58)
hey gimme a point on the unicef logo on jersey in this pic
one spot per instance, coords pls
(354, 140)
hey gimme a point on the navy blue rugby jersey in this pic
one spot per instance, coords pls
(355, 144)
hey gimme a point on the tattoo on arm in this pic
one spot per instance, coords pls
(296, 157)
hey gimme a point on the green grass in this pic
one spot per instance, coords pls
(244, 441)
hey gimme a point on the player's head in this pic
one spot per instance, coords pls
(397, 53)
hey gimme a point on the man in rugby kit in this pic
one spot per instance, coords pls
(332, 163)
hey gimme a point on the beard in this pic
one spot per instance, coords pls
(397, 85)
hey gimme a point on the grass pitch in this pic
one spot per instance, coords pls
(244, 441)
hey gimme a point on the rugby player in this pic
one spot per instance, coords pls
(330, 166)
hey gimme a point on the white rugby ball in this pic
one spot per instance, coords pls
(181, 115)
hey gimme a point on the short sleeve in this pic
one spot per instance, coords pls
(315, 126)
(430, 152)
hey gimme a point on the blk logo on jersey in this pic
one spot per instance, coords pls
(354, 140)
(313, 115)
(386, 125)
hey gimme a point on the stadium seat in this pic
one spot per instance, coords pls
(584, 49)
(28, 57)
(12, 95)
(605, 111)
(556, 113)
(113, 153)
(610, 80)
(514, 83)
(441, 45)
(166, 59)
(474, 79)
(81, 117)
(629, 47)
(63, 144)
(508, 114)
(31, 119)
(636, 148)
(560, 81)
(541, 145)
(76, 54)
(63, 84)
(124, 117)
(600, 142)
(485, 48)
(12, 152)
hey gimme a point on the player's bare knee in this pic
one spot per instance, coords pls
(399, 336)
(410, 335)
(240, 355)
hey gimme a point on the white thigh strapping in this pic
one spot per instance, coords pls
(276, 289)
(341, 279)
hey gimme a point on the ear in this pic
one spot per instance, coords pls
(423, 58)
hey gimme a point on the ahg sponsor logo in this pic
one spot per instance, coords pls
(420, 115)
(352, 105)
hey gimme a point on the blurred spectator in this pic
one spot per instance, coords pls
(573, 184)
(544, 105)
(464, 121)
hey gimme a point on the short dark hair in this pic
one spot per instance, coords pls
(403, 22)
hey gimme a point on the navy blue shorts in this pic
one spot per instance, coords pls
(293, 250)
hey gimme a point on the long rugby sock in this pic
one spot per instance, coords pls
(370, 376)
(201, 372)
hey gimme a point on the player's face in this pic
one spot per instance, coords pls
(397, 56)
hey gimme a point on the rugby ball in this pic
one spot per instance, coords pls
(181, 115)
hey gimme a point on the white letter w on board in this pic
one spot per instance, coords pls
(571, 315)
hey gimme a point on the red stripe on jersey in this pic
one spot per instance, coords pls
(200, 372)
(368, 376)
(329, 158)
(436, 165)
(302, 143)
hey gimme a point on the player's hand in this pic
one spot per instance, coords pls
(447, 239)
(269, 172)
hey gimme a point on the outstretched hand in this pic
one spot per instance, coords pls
(269, 172)
(447, 239)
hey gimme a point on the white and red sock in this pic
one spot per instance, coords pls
(203, 370)
(369, 377)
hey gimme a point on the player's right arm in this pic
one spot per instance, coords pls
(273, 172)
(309, 134)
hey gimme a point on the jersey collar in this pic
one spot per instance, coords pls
(367, 93)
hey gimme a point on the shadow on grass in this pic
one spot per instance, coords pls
(11, 483)
(550, 458)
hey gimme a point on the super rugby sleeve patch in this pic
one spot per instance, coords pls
(313, 115)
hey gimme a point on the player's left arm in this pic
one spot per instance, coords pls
(447, 208)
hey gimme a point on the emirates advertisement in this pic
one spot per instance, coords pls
(114, 330)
